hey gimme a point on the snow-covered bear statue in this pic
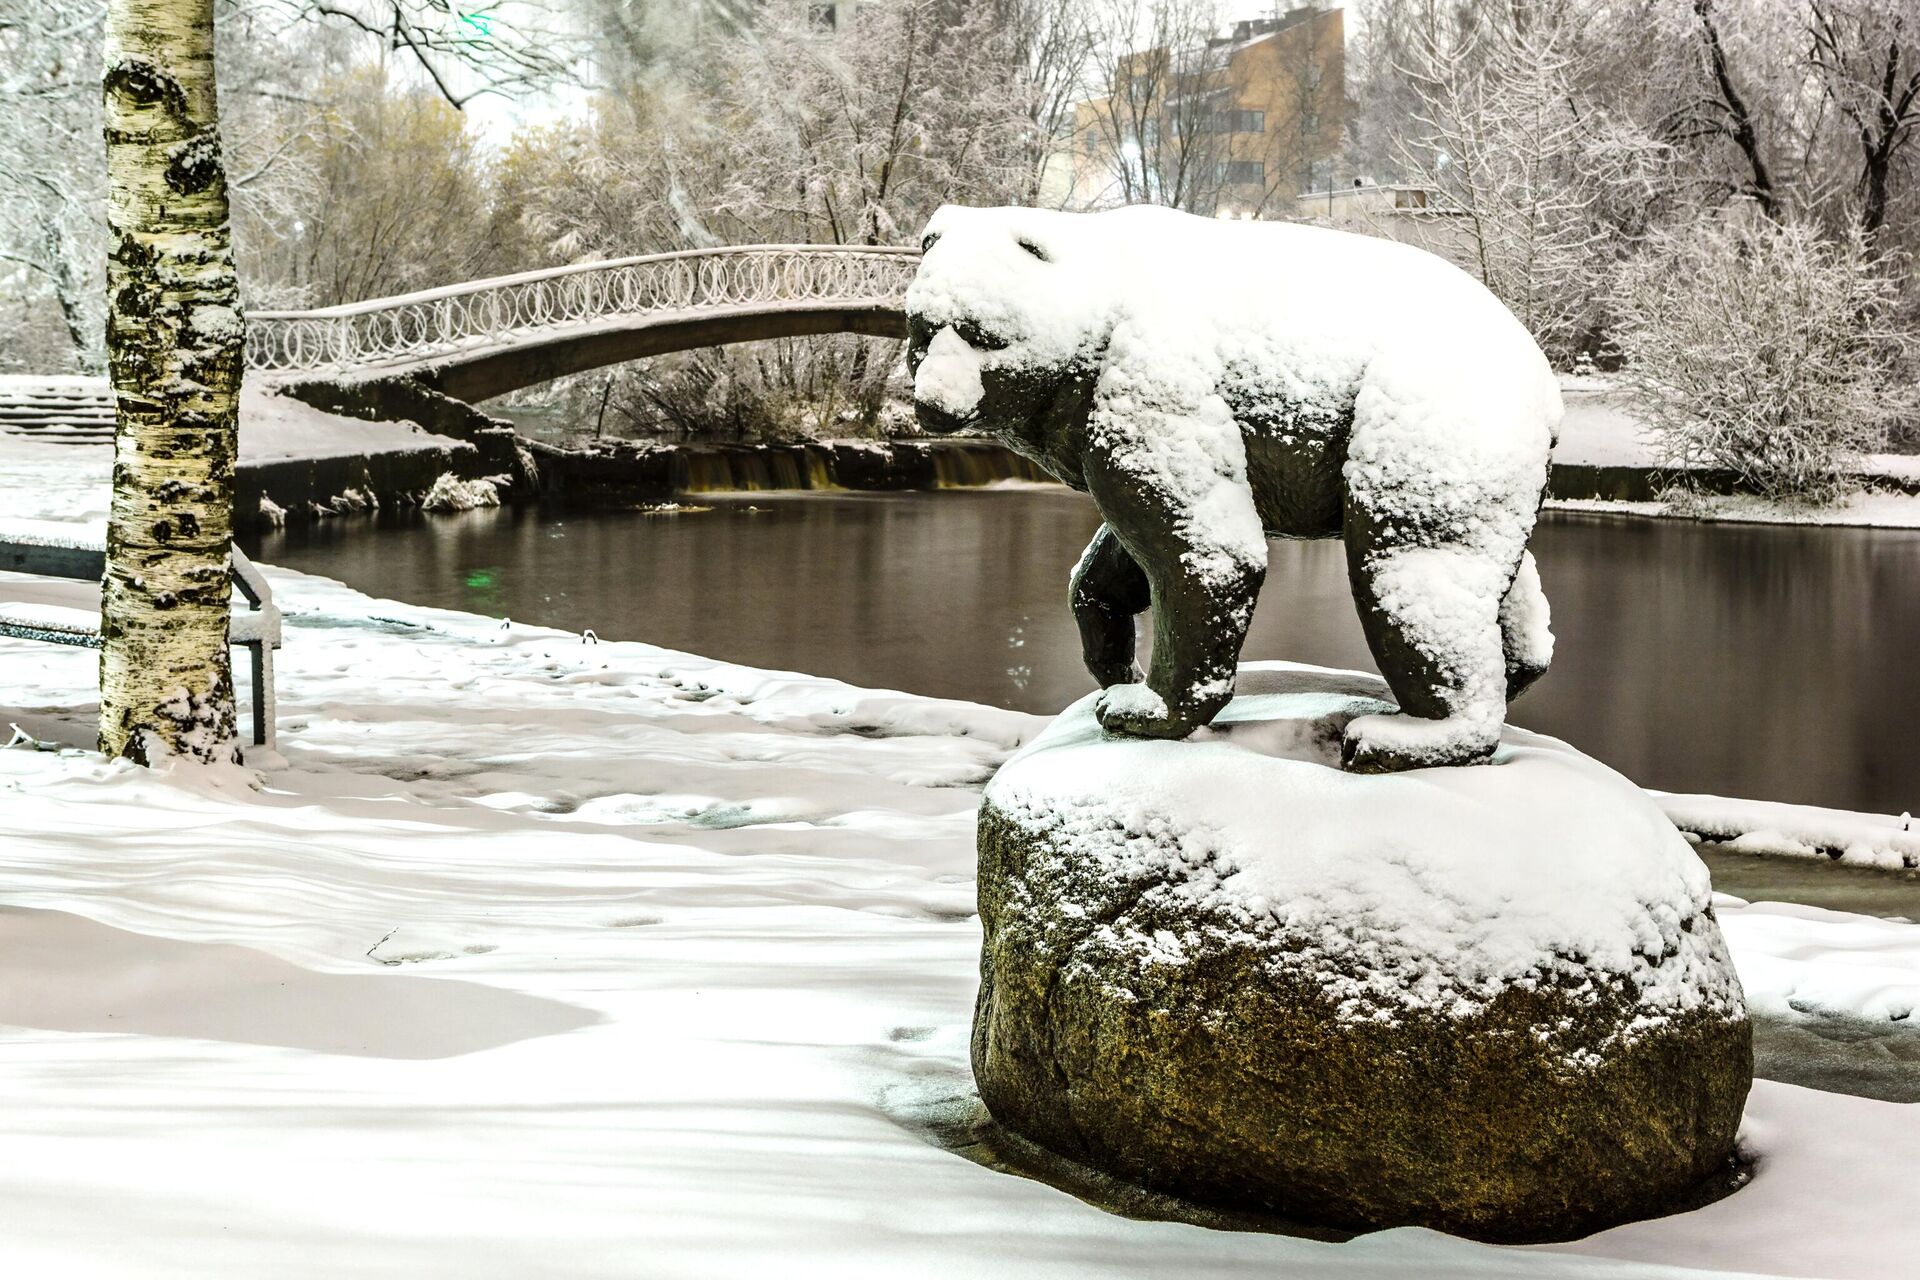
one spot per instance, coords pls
(1211, 383)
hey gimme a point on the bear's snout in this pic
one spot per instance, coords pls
(946, 387)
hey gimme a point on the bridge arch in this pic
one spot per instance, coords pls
(489, 337)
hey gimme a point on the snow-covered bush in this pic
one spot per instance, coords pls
(1765, 350)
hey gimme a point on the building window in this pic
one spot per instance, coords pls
(1246, 173)
(1233, 122)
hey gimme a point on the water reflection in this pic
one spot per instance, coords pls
(1744, 660)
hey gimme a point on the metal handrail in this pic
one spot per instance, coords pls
(482, 313)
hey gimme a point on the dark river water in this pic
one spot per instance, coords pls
(1762, 661)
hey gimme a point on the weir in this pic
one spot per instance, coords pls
(898, 464)
(971, 468)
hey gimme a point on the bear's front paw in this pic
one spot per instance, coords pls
(1138, 712)
(1392, 743)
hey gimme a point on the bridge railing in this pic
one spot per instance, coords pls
(435, 322)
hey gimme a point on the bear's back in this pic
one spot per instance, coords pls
(1305, 278)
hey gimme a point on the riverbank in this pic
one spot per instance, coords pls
(300, 463)
(1604, 464)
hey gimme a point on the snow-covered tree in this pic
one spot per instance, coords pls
(1765, 349)
(463, 48)
(174, 353)
(1505, 130)
(1866, 59)
(781, 131)
(52, 233)
(1806, 107)
(396, 189)
(1152, 126)
(279, 62)
(1050, 45)
(861, 135)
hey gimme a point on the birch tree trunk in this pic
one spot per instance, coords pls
(174, 346)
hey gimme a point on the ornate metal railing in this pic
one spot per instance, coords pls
(474, 316)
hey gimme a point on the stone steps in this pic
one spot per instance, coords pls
(57, 410)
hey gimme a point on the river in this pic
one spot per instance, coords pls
(1745, 660)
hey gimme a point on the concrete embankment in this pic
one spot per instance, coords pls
(470, 445)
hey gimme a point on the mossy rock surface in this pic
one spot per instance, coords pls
(1199, 978)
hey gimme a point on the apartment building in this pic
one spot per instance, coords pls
(1234, 124)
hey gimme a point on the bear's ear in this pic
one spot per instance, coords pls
(927, 241)
(1033, 247)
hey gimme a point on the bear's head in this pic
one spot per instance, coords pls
(1008, 309)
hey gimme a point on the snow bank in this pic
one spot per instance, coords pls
(54, 482)
(1600, 427)
(1603, 427)
(69, 482)
(53, 381)
(1796, 830)
(1867, 509)
(274, 427)
(1811, 1210)
(62, 534)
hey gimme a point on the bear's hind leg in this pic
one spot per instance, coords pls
(1109, 591)
(1432, 618)
(1525, 628)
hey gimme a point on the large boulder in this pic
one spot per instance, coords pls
(1490, 1000)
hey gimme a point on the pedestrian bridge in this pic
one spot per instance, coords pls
(489, 337)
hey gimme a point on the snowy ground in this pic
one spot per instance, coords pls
(539, 957)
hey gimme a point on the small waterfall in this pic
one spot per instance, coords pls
(969, 466)
(704, 472)
(758, 469)
(731, 470)
(818, 474)
(784, 471)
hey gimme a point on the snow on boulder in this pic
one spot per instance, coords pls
(1493, 1001)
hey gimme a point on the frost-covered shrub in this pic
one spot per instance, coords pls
(1765, 350)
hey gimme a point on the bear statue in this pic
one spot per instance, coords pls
(1211, 383)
